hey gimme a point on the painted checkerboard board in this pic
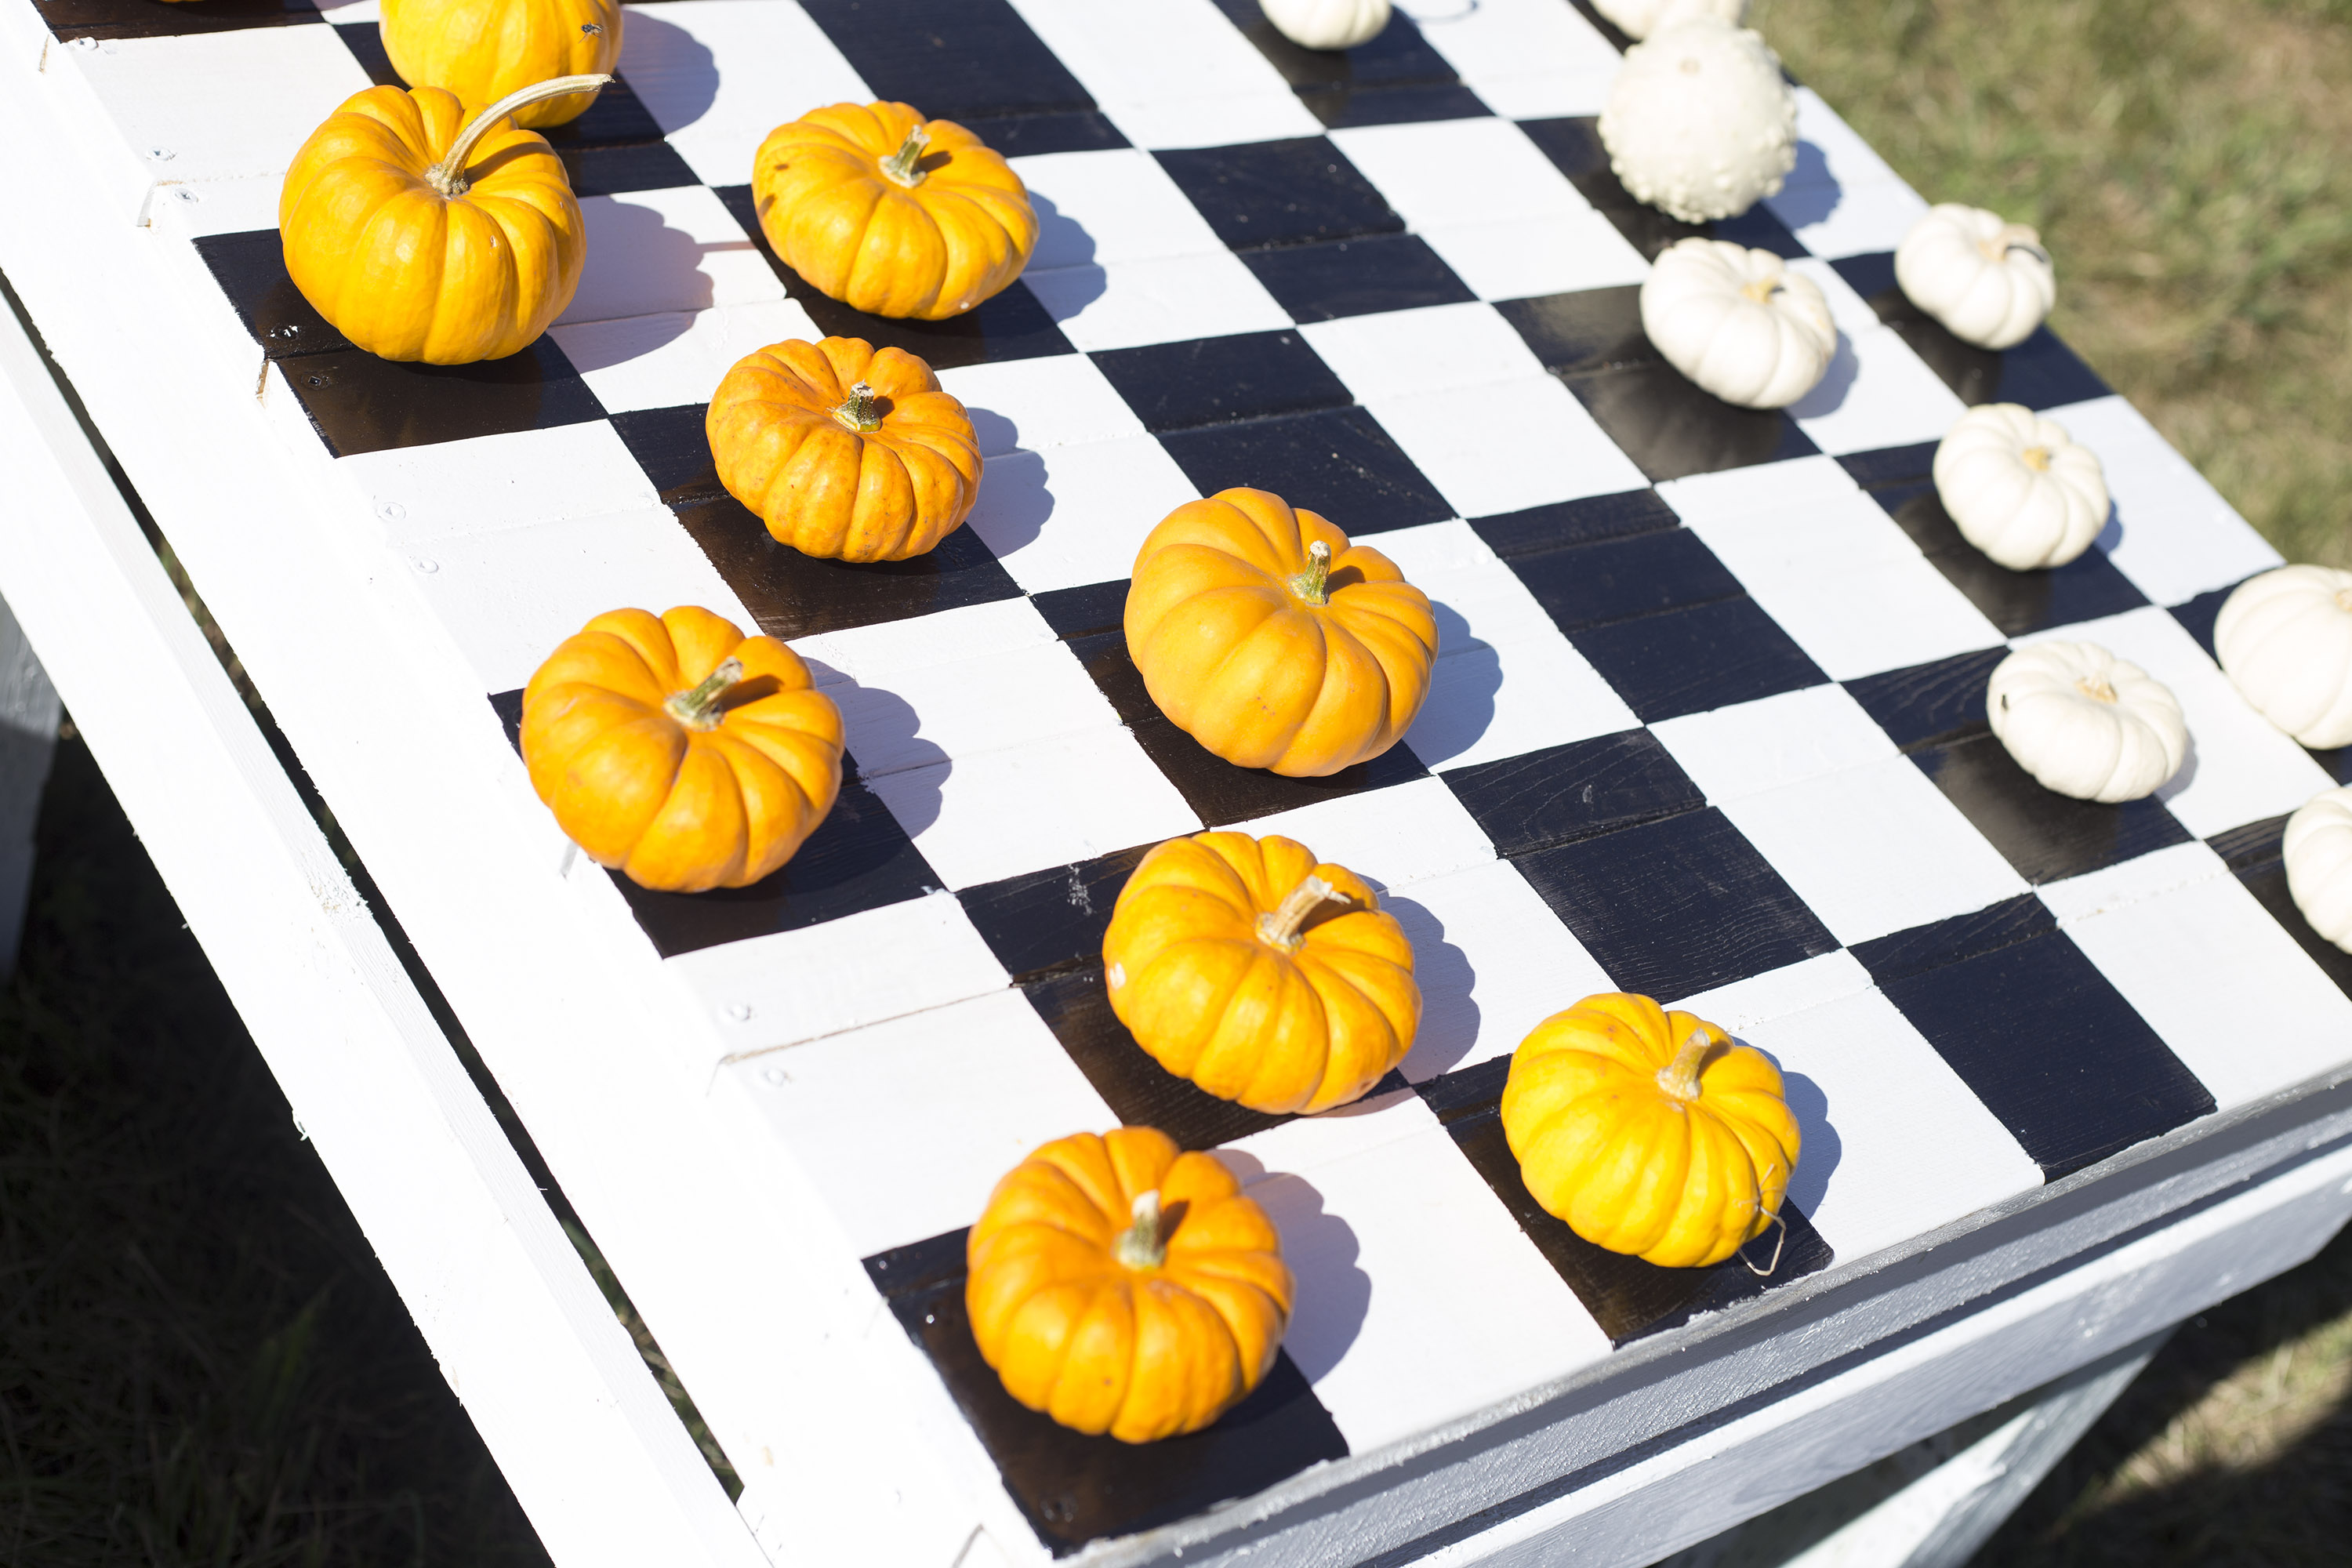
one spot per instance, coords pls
(1708, 719)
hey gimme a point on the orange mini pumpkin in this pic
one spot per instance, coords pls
(890, 213)
(1650, 1132)
(680, 752)
(1121, 1286)
(844, 452)
(1259, 973)
(1266, 636)
(484, 49)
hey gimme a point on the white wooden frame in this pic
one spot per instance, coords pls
(850, 1448)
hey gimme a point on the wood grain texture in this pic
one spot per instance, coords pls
(1563, 794)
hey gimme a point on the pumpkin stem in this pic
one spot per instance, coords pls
(856, 411)
(1140, 1245)
(1279, 926)
(448, 176)
(1310, 584)
(697, 708)
(2037, 459)
(1761, 289)
(2343, 598)
(2013, 236)
(1679, 1076)
(900, 167)
(2096, 687)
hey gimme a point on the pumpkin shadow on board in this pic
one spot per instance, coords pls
(672, 72)
(1449, 1014)
(1061, 271)
(882, 731)
(638, 264)
(1829, 394)
(1808, 195)
(1334, 1294)
(1014, 503)
(1463, 681)
(593, 347)
(1821, 1150)
(2112, 534)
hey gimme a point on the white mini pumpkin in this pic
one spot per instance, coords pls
(1640, 18)
(2085, 723)
(1738, 321)
(1986, 279)
(2317, 850)
(2019, 487)
(1326, 24)
(2285, 637)
(1699, 123)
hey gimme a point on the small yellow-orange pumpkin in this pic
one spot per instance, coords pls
(844, 452)
(1120, 1286)
(680, 752)
(484, 49)
(420, 235)
(1650, 1132)
(1260, 973)
(890, 213)
(1264, 635)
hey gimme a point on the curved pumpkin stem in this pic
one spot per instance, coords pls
(1140, 1245)
(2014, 237)
(1679, 1078)
(448, 176)
(1312, 585)
(2097, 690)
(903, 167)
(2037, 459)
(699, 708)
(1777, 1243)
(856, 411)
(1279, 926)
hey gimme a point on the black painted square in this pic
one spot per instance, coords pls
(640, 167)
(2252, 854)
(250, 268)
(1692, 661)
(1356, 277)
(1677, 905)
(1627, 1297)
(362, 404)
(1293, 192)
(1581, 332)
(1343, 107)
(2085, 588)
(2040, 372)
(1671, 429)
(2038, 1034)
(2045, 837)
(1570, 522)
(1930, 703)
(1050, 922)
(1027, 135)
(952, 59)
(796, 595)
(670, 445)
(1012, 325)
(1218, 792)
(1075, 1488)
(1616, 579)
(1573, 145)
(1583, 789)
(71, 19)
(2198, 616)
(1397, 56)
(1075, 613)
(1214, 381)
(365, 41)
(1336, 461)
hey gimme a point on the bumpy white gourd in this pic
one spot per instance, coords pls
(1738, 321)
(1699, 123)
(1326, 24)
(1986, 279)
(2317, 849)
(1640, 18)
(2285, 637)
(2085, 723)
(2019, 487)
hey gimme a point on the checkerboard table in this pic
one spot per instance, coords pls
(1708, 717)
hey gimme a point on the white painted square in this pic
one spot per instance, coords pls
(2179, 538)
(2210, 969)
(1072, 515)
(1529, 59)
(677, 250)
(983, 700)
(1558, 253)
(1764, 489)
(1126, 304)
(1849, 311)
(1459, 171)
(1306, 1143)
(1192, 80)
(491, 482)
(237, 205)
(1396, 354)
(1751, 747)
(975, 1086)
(1892, 1143)
(1875, 849)
(2241, 767)
(1052, 400)
(1391, 837)
(1745, 1004)
(1420, 1300)
(1529, 443)
(1117, 204)
(779, 66)
(778, 990)
(676, 358)
(1876, 393)
(879, 653)
(1830, 150)
(1493, 962)
(508, 596)
(1855, 220)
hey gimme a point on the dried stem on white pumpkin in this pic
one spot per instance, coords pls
(904, 167)
(1279, 926)
(1679, 1076)
(2093, 687)
(2013, 236)
(1140, 1245)
(699, 708)
(448, 176)
(1313, 584)
(857, 412)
